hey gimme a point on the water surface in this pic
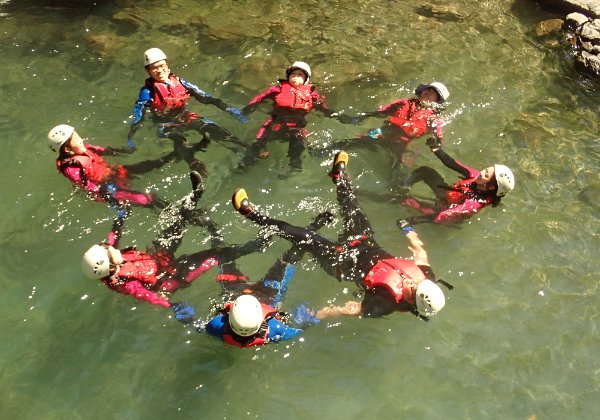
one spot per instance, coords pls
(519, 335)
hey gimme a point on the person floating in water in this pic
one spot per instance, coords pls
(390, 283)
(409, 118)
(293, 99)
(154, 275)
(467, 197)
(165, 95)
(83, 165)
(250, 314)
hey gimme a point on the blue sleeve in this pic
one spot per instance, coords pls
(140, 105)
(216, 327)
(278, 331)
(194, 90)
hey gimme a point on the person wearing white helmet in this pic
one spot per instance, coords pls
(467, 197)
(250, 315)
(389, 283)
(293, 98)
(153, 275)
(246, 322)
(165, 95)
(407, 119)
(83, 165)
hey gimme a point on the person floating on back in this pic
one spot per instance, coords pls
(293, 99)
(83, 165)
(165, 95)
(390, 283)
(467, 197)
(153, 276)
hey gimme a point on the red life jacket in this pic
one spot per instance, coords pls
(295, 98)
(138, 265)
(167, 97)
(463, 190)
(260, 337)
(93, 166)
(391, 273)
(414, 121)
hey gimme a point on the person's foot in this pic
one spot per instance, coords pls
(197, 182)
(322, 219)
(340, 162)
(241, 203)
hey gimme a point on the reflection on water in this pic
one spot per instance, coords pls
(520, 328)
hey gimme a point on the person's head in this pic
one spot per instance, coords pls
(429, 298)
(498, 179)
(245, 316)
(63, 137)
(298, 73)
(100, 261)
(435, 92)
(155, 63)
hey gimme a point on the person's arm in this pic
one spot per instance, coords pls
(416, 246)
(448, 161)
(350, 308)
(460, 211)
(279, 331)
(139, 109)
(116, 232)
(216, 326)
(385, 110)
(136, 289)
(261, 97)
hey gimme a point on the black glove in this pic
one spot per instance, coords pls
(433, 143)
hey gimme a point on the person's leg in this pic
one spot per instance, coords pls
(324, 250)
(431, 177)
(279, 275)
(296, 147)
(175, 217)
(145, 166)
(355, 221)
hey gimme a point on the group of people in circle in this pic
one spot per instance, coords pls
(250, 313)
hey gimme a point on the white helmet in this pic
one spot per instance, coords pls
(505, 180)
(430, 298)
(59, 136)
(246, 315)
(96, 263)
(300, 65)
(440, 88)
(153, 55)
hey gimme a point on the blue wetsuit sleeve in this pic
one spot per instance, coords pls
(278, 331)
(202, 96)
(216, 326)
(139, 109)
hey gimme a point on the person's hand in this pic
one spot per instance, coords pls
(304, 316)
(124, 211)
(434, 143)
(405, 226)
(375, 133)
(131, 143)
(184, 313)
(238, 114)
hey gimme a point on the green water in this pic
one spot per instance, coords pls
(519, 335)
